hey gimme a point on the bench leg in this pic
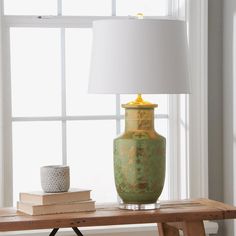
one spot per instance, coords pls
(54, 231)
(189, 228)
(193, 228)
(76, 230)
(167, 230)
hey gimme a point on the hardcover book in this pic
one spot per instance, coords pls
(42, 198)
(72, 207)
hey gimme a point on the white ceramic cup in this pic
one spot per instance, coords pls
(55, 178)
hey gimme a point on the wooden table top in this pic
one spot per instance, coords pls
(170, 211)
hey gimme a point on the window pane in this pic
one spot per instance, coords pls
(30, 7)
(34, 144)
(79, 102)
(160, 100)
(35, 72)
(147, 7)
(86, 7)
(182, 7)
(90, 156)
(183, 145)
(161, 126)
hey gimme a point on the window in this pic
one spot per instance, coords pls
(53, 119)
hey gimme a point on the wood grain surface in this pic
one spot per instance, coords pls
(167, 230)
(170, 211)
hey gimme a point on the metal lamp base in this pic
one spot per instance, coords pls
(139, 207)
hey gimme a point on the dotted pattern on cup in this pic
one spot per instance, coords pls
(55, 178)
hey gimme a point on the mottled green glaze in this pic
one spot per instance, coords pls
(139, 158)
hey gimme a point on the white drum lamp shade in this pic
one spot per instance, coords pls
(132, 56)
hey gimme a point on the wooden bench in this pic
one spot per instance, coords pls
(185, 215)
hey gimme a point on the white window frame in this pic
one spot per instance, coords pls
(1, 112)
(196, 131)
(197, 19)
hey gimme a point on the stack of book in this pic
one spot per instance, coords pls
(41, 203)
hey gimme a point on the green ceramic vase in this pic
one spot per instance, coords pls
(139, 157)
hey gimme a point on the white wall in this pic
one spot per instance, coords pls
(1, 113)
(229, 105)
(215, 96)
(215, 100)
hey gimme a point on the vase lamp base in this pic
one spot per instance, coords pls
(139, 207)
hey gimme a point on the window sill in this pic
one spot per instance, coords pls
(143, 229)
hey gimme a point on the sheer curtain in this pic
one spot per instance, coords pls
(1, 115)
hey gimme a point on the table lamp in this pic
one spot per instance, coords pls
(139, 56)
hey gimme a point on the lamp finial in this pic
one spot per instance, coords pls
(139, 102)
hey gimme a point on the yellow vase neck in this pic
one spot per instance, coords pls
(139, 119)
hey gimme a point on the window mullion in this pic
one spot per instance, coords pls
(187, 146)
(53, 21)
(113, 7)
(63, 98)
(59, 7)
(63, 89)
(88, 117)
(7, 174)
(170, 7)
